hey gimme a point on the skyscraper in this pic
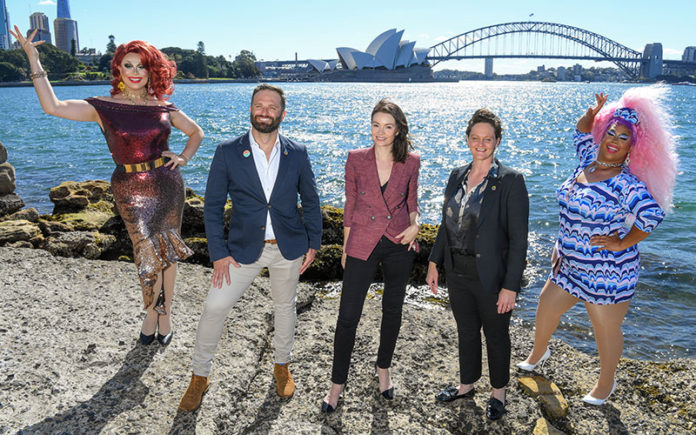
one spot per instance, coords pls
(63, 9)
(5, 42)
(65, 29)
(38, 21)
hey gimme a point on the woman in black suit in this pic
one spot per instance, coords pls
(482, 244)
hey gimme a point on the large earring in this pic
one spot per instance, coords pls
(121, 86)
(149, 84)
(627, 161)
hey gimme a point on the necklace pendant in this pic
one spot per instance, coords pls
(591, 169)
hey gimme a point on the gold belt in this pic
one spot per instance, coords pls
(146, 166)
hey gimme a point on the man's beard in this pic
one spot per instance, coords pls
(266, 128)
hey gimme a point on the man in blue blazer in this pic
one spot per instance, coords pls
(262, 172)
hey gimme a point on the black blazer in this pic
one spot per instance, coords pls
(501, 243)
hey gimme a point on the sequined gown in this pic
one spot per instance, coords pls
(151, 202)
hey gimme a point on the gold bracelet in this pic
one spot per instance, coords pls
(38, 74)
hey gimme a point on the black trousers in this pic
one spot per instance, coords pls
(396, 261)
(473, 308)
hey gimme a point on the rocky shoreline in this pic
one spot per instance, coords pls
(71, 363)
(85, 223)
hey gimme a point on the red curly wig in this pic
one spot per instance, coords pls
(161, 70)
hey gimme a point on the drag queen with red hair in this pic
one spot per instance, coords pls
(616, 196)
(147, 185)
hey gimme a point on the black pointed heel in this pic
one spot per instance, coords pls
(326, 408)
(165, 339)
(146, 339)
(388, 394)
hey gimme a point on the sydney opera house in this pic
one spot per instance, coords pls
(387, 58)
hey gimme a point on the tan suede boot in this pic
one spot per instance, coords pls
(285, 386)
(194, 394)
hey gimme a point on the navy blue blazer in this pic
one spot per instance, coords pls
(501, 243)
(233, 173)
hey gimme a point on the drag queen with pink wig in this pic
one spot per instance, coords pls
(616, 196)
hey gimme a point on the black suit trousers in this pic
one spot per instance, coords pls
(474, 308)
(396, 261)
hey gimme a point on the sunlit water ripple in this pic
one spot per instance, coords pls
(333, 118)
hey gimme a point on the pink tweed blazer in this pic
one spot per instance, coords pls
(371, 215)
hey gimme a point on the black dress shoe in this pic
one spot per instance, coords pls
(388, 394)
(495, 409)
(147, 339)
(326, 408)
(164, 339)
(449, 394)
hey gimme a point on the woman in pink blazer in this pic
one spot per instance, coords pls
(380, 226)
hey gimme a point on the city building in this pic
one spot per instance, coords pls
(65, 29)
(66, 32)
(5, 41)
(63, 9)
(39, 22)
(89, 56)
(689, 54)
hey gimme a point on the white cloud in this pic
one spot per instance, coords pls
(672, 51)
(47, 3)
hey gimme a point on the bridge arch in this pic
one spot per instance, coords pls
(606, 49)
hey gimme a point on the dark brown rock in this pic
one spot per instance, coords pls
(193, 224)
(29, 214)
(18, 230)
(50, 228)
(199, 246)
(3, 153)
(7, 178)
(71, 196)
(79, 244)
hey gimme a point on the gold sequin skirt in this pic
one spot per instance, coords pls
(151, 204)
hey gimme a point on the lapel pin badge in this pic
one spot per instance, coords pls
(246, 153)
(285, 152)
(493, 187)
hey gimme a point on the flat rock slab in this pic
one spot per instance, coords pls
(70, 363)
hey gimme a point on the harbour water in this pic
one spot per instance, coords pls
(332, 118)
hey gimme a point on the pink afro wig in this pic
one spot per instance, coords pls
(653, 158)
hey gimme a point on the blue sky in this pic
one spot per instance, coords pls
(313, 29)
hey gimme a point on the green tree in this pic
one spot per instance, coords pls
(111, 45)
(245, 66)
(201, 69)
(10, 73)
(57, 61)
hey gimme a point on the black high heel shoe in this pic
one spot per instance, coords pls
(164, 340)
(146, 339)
(389, 393)
(326, 408)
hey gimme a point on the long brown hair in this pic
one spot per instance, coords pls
(402, 141)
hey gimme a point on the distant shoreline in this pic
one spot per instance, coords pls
(108, 82)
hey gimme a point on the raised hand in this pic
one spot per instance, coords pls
(27, 44)
(587, 119)
(601, 99)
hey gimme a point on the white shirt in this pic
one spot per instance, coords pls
(268, 172)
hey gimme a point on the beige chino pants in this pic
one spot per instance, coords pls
(284, 277)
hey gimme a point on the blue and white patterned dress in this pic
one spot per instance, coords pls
(601, 208)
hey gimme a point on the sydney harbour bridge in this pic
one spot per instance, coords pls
(533, 39)
(388, 57)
